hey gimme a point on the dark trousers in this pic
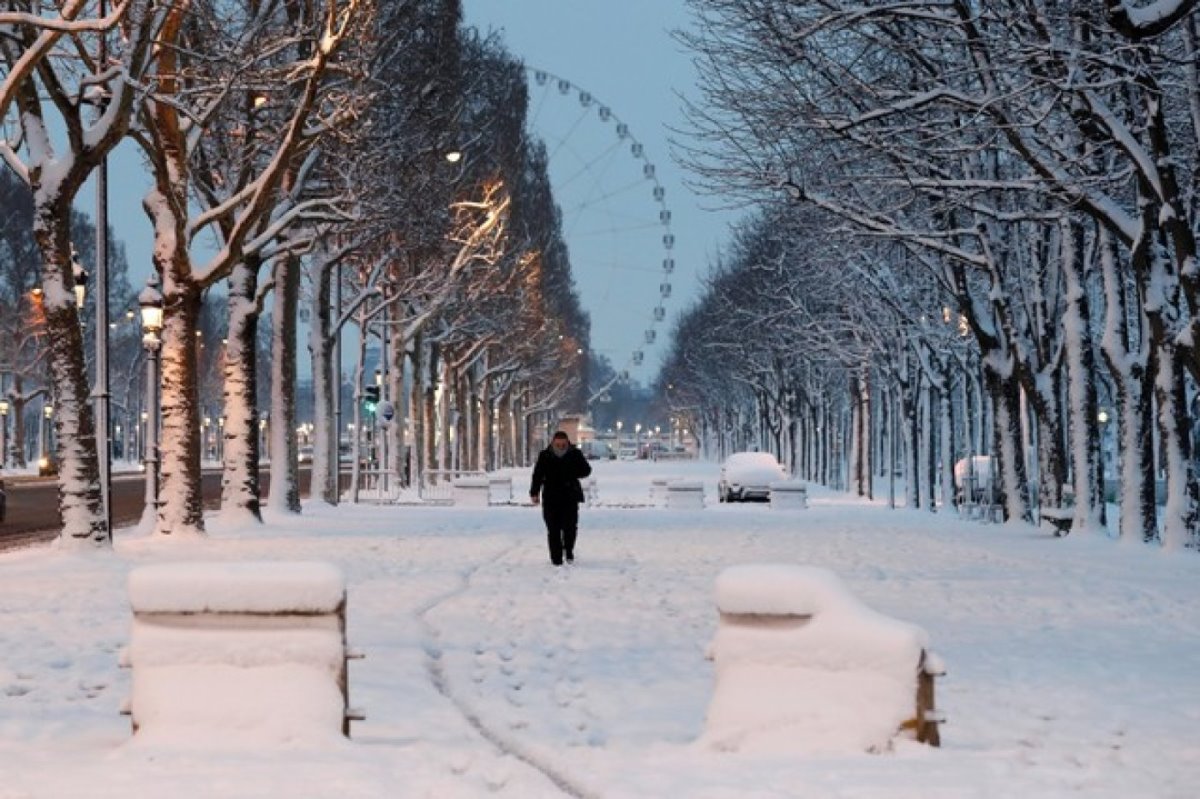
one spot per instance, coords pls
(562, 523)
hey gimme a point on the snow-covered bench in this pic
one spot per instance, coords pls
(685, 495)
(222, 650)
(789, 495)
(471, 492)
(801, 663)
(500, 490)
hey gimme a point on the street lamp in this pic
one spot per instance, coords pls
(151, 303)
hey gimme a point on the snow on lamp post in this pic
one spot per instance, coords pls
(151, 303)
(80, 278)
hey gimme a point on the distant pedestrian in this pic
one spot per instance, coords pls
(556, 481)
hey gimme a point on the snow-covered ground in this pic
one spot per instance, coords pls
(1072, 663)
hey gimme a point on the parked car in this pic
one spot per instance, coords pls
(748, 475)
(3, 500)
(597, 450)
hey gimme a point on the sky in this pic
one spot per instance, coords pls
(621, 52)
(1069, 663)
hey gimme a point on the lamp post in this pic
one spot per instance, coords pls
(3, 433)
(1103, 418)
(151, 303)
(44, 461)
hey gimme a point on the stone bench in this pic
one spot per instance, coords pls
(685, 495)
(500, 490)
(801, 663)
(239, 648)
(471, 492)
(789, 495)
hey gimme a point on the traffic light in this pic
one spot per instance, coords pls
(370, 397)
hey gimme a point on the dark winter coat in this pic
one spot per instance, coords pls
(557, 478)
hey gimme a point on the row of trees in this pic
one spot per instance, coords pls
(310, 143)
(976, 234)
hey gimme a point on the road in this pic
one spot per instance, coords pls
(33, 503)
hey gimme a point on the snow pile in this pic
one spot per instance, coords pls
(229, 652)
(802, 665)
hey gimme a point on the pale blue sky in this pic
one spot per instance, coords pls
(620, 51)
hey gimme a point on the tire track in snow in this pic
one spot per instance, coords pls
(505, 745)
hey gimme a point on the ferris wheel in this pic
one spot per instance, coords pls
(616, 222)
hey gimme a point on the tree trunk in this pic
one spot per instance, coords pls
(946, 440)
(239, 478)
(1087, 466)
(1005, 391)
(323, 483)
(912, 437)
(285, 484)
(16, 414)
(1183, 493)
(181, 507)
(1127, 352)
(416, 408)
(79, 499)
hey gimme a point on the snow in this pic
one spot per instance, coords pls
(489, 672)
(801, 664)
(236, 587)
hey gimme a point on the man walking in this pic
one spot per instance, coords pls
(556, 480)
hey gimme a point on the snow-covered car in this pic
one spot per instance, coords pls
(748, 475)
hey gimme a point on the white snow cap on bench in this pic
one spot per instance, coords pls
(796, 651)
(237, 587)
